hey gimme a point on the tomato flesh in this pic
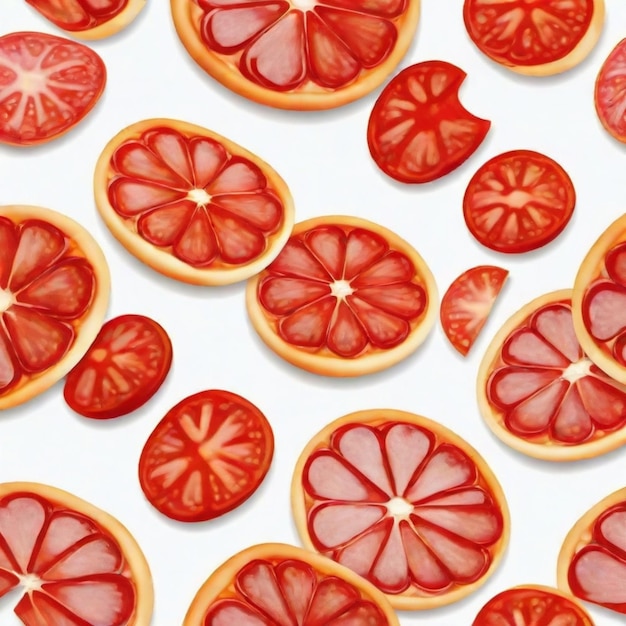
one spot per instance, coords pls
(610, 92)
(79, 15)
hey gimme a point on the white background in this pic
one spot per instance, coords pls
(323, 157)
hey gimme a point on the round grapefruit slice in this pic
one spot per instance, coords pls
(405, 503)
(54, 291)
(275, 583)
(76, 565)
(610, 95)
(345, 297)
(297, 54)
(190, 203)
(540, 393)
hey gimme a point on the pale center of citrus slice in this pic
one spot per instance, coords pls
(30, 582)
(303, 5)
(199, 196)
(6, 300)
(341, 288)
(399, 507)
(577, 370)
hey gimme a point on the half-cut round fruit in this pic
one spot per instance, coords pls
(313, 54)
(190, 203)
(609, 95)
(539, 392)
(275, 583)
(54, 292)
(405, 503)
(592, 560)
(76, 565)
(345, 297)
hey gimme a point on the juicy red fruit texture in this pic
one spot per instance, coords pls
(78, 15)
(610, 93)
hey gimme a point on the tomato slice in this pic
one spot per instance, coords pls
(532, 605)
(610, 94)
(418, 130)
(540, 393)
(75, 564)
(207, 456)
(518, 201)
(122, 370)
(404, 502)
(313, 54)
(48, 85)
(536, 38)
(467, 303)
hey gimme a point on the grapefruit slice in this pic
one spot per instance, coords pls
(610, 95)
(405, 503)
(540, 393)
(76, 565)
(54, 292)
(592, 560)
(190, 203)
(301, 54)
(345, 297)
(275, 583)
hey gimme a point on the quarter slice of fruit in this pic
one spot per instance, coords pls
(467, 303)
(405, 503)
(610, 95)
(54, 292)
(76, 565)
(518, 201)
(122, 370)
(304, 54)
(535, 38)
(208, 455)
(540, 393)
(48, 84)
(275, 583)
(418, 129)
(592, 560)
(190, 203)
(344, 297)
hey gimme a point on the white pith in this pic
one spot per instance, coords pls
(577, 370)
(6, 300)
(341, 289)
(303, 5)
(199, 196)
(399, 507)
(30, 582)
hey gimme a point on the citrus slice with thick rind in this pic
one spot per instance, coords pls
(190, 203)
(54, 292)
(275, 583)
(345, 297)
(540, 393)
(405, 503)
(76, 565)
(297, 54)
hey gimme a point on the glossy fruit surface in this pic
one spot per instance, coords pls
(609, 96)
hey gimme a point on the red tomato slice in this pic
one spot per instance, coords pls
(207, 456)
(518, 201)
(47, 85)
(610, 95)
(122, 370)
(418, 130)
(467, 303)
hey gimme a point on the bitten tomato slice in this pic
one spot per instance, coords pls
(75, 564)
(54, 291)
(345, 297)
(313, 54)
(418, 129)
(532, 605)
(122, 370)
(48, 85)
(533, 37)
(89, 19)
(540, 393)
(518, 201)
(190, 203)
(404, 502)
(274, 583)
(610, 94)
(207, 456)
(467, 303)
(592, 560)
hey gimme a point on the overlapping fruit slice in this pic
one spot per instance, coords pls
(190, 203)
(48, 85)
(418, 129)
(610, 94)
(298, 54)
(207, 456)
(540, 393)
(274, 583)
(592, 560)
(535, 38)
(345, 297)
(403, 502)
(76, 565)
(54, 291)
